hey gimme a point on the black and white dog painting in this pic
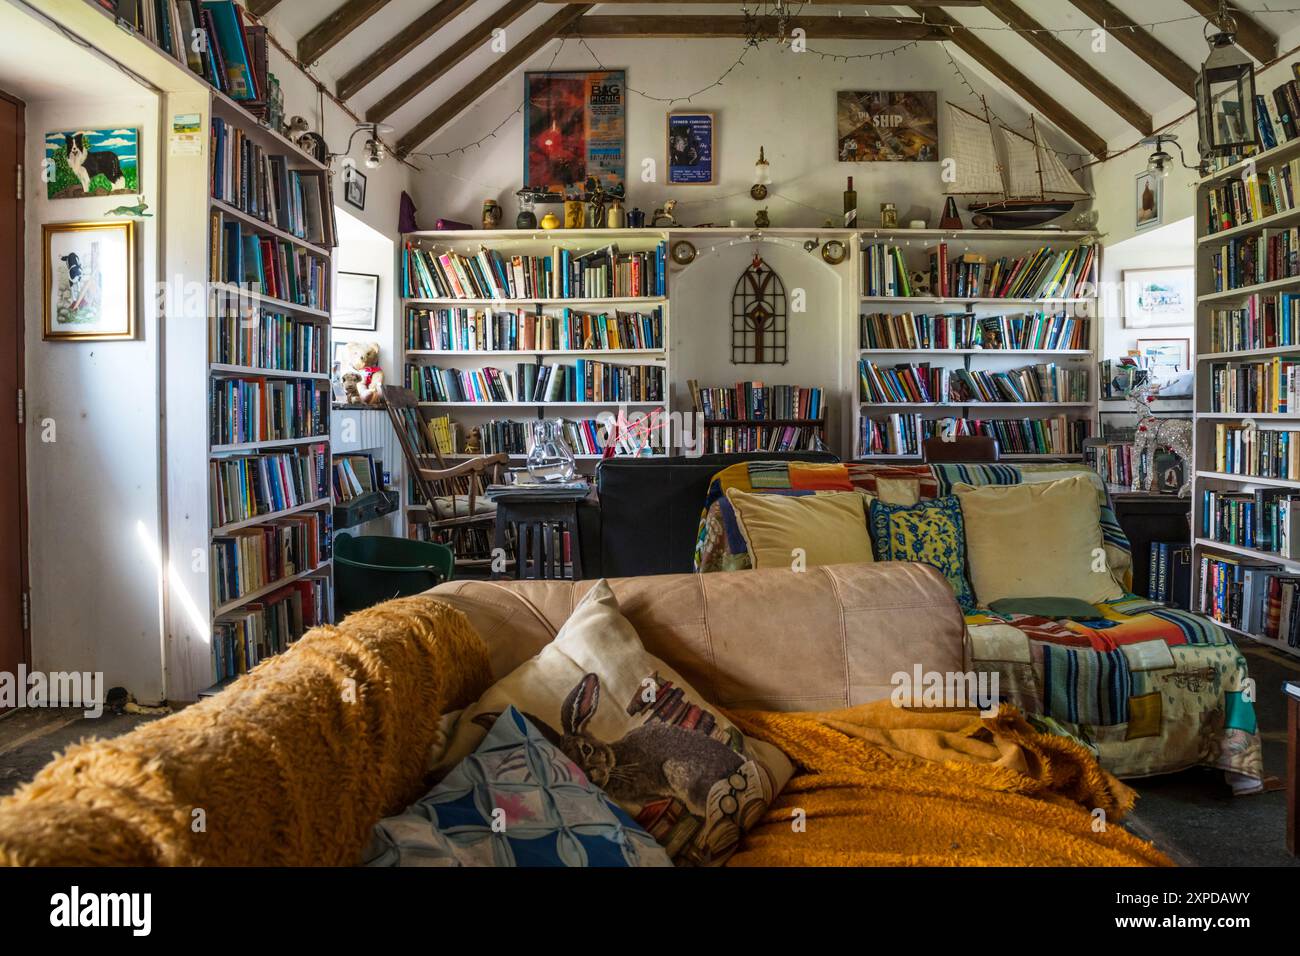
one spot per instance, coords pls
(86, 164)
(92, 162)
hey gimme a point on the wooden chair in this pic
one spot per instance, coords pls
(467, 528)
(966, 449)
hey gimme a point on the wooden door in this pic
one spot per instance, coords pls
(14, 643)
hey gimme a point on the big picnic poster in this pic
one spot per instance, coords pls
(575, 126)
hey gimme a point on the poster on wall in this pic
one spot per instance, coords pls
(1148, 200)
(89, 280)
(1158, 297)
(92, 162)
(575, 126)
(887, 126)
(692, 143)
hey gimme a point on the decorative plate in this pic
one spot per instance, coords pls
(683, 252)
(833, 251)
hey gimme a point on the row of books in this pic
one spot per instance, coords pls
(932, 384)
(463, 330)
(1169, 574)
(903, 434)
(355, 475)
(232, 55)
(1258, 599)
(963, 330)
(755, 401)
(253, 558)
(1267, 386)
(584, 436)
(274, 267)
(259, 409)
(603, 273)
(246, 176)
(246, 487)
(1256, 452)
(1263, 322)
(884, 272)
(248, 335)
(1277, 116)
(261, 629)
(1267, 256)
(1114, 461)
(1266, 519)
(1044, 273)
(584, 381)
(732, 439)
(1257, 195)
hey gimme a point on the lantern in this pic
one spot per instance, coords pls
(762, 177)
(1225, 93)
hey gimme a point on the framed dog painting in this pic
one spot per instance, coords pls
(89, 280)
(92, 162)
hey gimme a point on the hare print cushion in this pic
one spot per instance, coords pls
(638, 731)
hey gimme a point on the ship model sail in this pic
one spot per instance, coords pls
(1032, 187)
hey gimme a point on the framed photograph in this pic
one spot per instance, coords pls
(887, 126)
(1149, 201)
(89, 280)
(354, 187)
(691, 147)
(1165, 357)
(356, 302)
(92, 162)
(575, 126)
(1159, 296)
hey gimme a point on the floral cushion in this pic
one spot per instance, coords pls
(516, 801)
(930, 532)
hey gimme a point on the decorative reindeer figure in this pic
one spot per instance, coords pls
(1155, 433)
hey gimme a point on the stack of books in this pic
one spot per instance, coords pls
(1263, 322)
(356, 475)
(261, 629)
(604, 273)
(1267, 256)
(269, 266)
(583, 381)
(462, 330)
(903, 434)
(1267, 519)
(1169, 574)
(1265, 386)
(245, 176)
(1256, 452)
(246, 487)
(252, 558)
(1045, 273)
(1252, 597)
(258, 409)
(255, 337)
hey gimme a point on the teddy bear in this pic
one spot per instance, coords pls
(363, 359)
(350, 382)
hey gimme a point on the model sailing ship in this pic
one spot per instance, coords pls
(1032, 187)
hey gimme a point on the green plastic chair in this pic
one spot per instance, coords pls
(371, 569)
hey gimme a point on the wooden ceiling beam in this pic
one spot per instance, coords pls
(505, 64)
(708, 26)
(1072, 64)
(1154, 53)
(427, 75)
(260, 8)
(412, 35)
(1020, 84)
(1252, 36)
(322, 38)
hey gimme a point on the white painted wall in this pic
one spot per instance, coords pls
(1171, 245)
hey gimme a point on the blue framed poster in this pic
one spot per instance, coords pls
(691, 149)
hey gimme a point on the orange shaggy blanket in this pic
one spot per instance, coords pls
(880, 786)
(290, 765)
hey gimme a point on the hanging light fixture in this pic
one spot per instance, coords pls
(1225, 91)
(374, 151)
(1162, 161)
(762, 177)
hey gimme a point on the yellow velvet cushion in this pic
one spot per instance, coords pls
(829, 528)
(1036, 540)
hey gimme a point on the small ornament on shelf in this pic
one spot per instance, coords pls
(664, 215)
(1154, 434)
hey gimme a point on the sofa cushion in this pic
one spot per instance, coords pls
(639, 731)
(931, 532)
(515, 801)
(828, 528)
(1033, 540)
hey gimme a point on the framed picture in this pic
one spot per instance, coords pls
(354, 187)
(691, 148)
(92, 162)
(889, 126)
(1159, 296)
(356, 302)
(1149, 201)
(575, 126)
(89, 280)
(1165, 357)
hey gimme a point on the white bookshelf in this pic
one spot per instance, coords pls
(1207, 475)
(993, 243)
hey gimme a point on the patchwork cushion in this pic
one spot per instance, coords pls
(826, 528)
(516, 801)
(930, 532)
(637, 730)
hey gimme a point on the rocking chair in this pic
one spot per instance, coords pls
(456, 514)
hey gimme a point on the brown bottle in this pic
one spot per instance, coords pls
(850, 206)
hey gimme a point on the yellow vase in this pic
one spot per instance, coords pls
(550, 221)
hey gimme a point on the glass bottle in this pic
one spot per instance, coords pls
(850, 206)
(550, 458)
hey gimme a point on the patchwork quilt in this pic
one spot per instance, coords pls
(1148, 688)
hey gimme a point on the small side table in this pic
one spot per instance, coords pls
(540, 521)
(1292, 691)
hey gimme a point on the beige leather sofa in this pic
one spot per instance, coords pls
(773, 640)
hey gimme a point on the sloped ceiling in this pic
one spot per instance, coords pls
(1103, 76)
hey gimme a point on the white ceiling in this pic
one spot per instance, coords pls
(292, 19)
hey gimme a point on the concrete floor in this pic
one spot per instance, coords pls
(1192, 815)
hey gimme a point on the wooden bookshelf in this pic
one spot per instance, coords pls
(993, 244)
(1208, 473)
